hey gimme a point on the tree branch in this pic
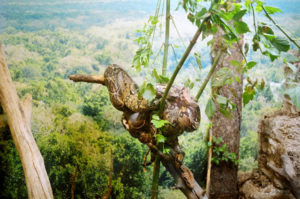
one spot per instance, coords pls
(99, 79)
(271, 19)
(166, 47)
(156, 166)
(179, 173)
(181, 62)
(211, 71)
(27, 106)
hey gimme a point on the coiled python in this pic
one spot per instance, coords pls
(181, 110)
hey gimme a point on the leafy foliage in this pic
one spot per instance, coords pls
(130, 152)
(12, 182)
(93, 106)
(143, 54)
(220, 152)
(248, 152)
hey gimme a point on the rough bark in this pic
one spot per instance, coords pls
(37, 182)
(278, 173)
(181, 174)
(107, 195)
(222, 178)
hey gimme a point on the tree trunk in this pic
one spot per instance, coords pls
(222, 178)
(107, 195)
(37, 182)
(74, 176)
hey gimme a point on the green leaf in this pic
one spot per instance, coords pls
(160, 138)
(248, 4)
(248, 95)
(290, 58)
(198, 60)
(221, 77)
(217, 140)
(272, 10)
(166, 149)
(251, 64)
(155, 74)
(221, 99)
(294, 94)
(149, 93)
(155, 117)
(210, 108)
(163, 79)
(266, 30)
(237, 79)
(246, 47)
(159, 78)
(201, 13)
(157, 122)
(191, 17)
(226, 15)
(259, 5)
(235, 63)
(226, 111)
(153, 20)
(239, 15)
(189, 84)
(281, 44)
(241, 27)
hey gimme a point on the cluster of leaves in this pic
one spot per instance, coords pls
(76, 145)
(159, 124)
(226, 106)
(248, 152)
(12, 182)
(142, 56)
(94, 106)
(228, 15)
(220, 152)
(251, 88)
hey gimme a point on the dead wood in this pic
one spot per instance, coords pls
(99, 79)
(18, 117)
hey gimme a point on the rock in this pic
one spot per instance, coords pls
(278, 173)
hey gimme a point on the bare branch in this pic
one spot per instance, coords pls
(99, 79)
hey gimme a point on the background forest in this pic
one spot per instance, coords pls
(75, 125)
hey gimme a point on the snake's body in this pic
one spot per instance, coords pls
(181, 111)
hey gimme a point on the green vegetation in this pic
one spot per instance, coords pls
(75, 125)
(220, 152)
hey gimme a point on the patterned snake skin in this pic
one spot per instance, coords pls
(180, 110)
